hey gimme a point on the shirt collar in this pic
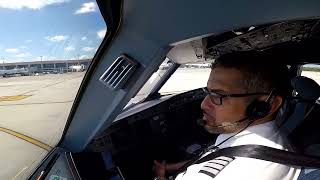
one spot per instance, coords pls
(265, 130)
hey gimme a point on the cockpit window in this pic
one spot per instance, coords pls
(46, 48)
(187, 77)
(151, 83)
(311, 71)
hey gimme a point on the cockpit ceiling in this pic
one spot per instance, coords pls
(290, 42)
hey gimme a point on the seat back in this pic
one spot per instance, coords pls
(306, 136)
(301, 114)
(299, 120)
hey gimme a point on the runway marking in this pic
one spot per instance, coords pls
(26, 138)
(13, 98)
(53, 84)
(16, 176)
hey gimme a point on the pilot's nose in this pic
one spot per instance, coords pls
(206, 103)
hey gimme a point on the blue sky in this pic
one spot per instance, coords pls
(51, 29)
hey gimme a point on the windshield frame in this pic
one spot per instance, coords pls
(155, 90)
(111, 12)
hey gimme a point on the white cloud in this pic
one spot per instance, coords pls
(87, 49)
(86, 8)
(29, 4)
(84, 38)
(12, 50)
(50, 58)
(69, 48)
(101, 33)
(57, 38)
(46, 58)
(41, 58)
(28, 41)
(21, 55)
(85, 57)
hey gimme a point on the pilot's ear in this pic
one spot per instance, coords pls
(275, 104)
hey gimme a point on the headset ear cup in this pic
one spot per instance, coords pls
(258, 109)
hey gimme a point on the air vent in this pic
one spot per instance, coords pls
(119, 72)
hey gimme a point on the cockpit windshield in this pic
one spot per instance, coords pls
(45, 49)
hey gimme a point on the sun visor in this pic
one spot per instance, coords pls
(189, 52)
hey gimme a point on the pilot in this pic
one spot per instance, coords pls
(244, 93)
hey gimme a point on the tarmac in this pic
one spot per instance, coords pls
(33, 109)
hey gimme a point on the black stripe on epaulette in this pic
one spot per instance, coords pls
(212, 168)
(207, 173)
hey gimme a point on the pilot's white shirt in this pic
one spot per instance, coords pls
(240, 168)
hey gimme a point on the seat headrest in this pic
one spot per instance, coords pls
(306, 88)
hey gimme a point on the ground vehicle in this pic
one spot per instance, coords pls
(12, 72)
(77, 68)
(143, 38)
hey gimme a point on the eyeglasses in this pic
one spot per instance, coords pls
(216, 98)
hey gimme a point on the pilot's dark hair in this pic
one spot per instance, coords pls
(261, 74)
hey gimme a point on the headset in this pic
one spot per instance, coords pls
(260, 109)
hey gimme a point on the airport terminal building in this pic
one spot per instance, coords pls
(47, 66)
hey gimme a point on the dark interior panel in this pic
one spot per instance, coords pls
(161, 132)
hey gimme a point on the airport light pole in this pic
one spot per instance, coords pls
(41, 63)
(78, 59)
